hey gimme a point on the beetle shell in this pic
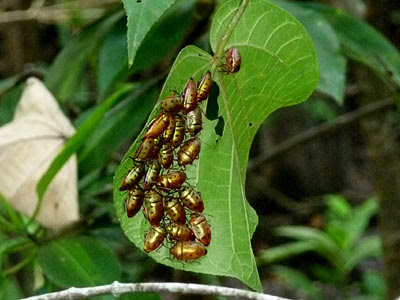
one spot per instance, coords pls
(194, 121)
(179, 133)
(189, 151)
(133, 176)
(190, 97)
(156, 148)
(152, 174)
(166, 155)
(200, 228)
(186, 250)
(175, 210)
(172, 103)
(179, 232)
(145, 150)
(191, 199)
(134, 201)
(158, 126)
(233, 60)
(154, 207)
(154, 238)
(169, 132)
(204, 87)
(171, 180)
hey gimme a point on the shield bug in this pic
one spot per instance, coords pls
(175, 210)
(171, 180)
(179, 232)
(154, 207)
(186, 250)
(194, 121)
(179, 133)
(191, 199)
(133, 176)
(172, 103)
(134, 201)
(169, 132)
(145, 150)
(166, 155)
(152, 174)
(154, 238)
(190, 97)
(204, 86)
(233, 61)
(158, 126)
(156, 148)
(189, 151)
(200, 228)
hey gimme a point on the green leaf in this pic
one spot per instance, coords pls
(363, 43)
(332, 64)
(165, 35)
(76, 141)
(360, 219)
(279, 68)
(65, 74)
(120, 124)
(113, 58)
(141, 17)
(298, 281)
(367, 247)
(285, 251)
(324, 245)
(79, 261)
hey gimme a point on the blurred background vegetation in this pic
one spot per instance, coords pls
(323, 176)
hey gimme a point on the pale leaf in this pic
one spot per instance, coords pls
(28, 145)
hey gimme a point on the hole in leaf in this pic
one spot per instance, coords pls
(219, 128)
(212, 105)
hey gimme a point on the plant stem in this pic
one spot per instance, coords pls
(225, 37)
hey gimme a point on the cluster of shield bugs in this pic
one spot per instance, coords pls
(157, 180)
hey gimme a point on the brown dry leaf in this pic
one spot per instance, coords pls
(28, 145)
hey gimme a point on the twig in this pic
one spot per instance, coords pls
(317, 131)
(116, 289)
(56, 13)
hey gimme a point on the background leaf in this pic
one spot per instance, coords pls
(332, 63)
(141, 17)
(65, 74)
(79, 261)
(287, 75)
(363, 43)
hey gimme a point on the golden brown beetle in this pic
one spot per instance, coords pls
(158, 126)
(186, 250)
(179, 133)
(172, 180)
(134, 201)
(154, 207)
(133, 176)
(166, 155)
(179, 232)
(169, 132)
(175, 210)
(154, 238)
(189, 151)
(172, 103)
(200, 228)
(194, 121)
(233, 61)
(145, 150)
(190, 97)
(191, 199)
(152, 174)
(204, 87)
